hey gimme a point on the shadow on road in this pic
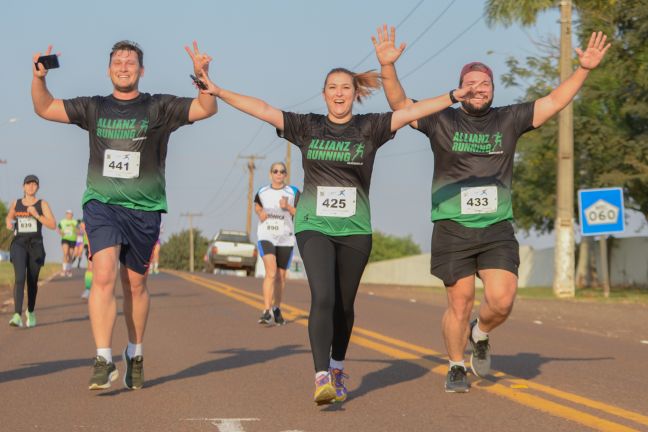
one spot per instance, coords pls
(527, 365)
(32, 370)
(395, 372)
(239, 357)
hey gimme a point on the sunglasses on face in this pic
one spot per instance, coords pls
(278, 171)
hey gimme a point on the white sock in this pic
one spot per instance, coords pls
(320, 374)
(106, 353)
(134, 350)
(478, 334)
(337, 364)
(457, 363)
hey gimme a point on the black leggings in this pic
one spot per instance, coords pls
(27, 256)
(334, 266)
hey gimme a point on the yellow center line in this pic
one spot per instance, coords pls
(515, 394)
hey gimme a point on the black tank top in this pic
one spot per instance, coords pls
(26, 226)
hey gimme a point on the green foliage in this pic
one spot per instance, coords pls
(5, 235)
(174, 254)
(610, 112)
(389, 247)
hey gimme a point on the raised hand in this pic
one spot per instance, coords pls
(39, 70)
(466, 92)
(385, 46)
(200, 60)
(595, 51)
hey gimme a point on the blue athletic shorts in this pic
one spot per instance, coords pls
(135, 230)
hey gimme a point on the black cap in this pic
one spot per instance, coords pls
(31, 178)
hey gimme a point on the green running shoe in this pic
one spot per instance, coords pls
(16, 321)
(134, 376)
(31, 319)
(103, 373)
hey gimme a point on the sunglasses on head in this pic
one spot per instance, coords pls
(278, 171)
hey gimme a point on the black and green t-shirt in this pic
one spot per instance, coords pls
(128, 146)
(338, 160)
(473, 162)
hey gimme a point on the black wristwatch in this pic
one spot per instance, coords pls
(452, 98)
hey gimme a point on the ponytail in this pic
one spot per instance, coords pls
(364, 83)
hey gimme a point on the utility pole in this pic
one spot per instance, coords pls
(191, 237)
(563, 283)
(251, 168)
(288, 149)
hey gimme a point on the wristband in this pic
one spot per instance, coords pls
(452, 98)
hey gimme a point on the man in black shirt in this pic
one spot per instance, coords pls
(474, 148)
(125, 193)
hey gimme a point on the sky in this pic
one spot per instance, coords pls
(279, 51)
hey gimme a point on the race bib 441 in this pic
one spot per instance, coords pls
(121, 164)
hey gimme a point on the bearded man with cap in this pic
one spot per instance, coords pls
(474, 149)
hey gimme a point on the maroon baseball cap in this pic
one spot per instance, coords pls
(475, 66)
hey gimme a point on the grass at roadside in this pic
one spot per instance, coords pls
(7, 273)
(617, 295)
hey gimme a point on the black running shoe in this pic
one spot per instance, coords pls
(278, 318)
(134, 376)
(480, 358)
(457, 381)
(265, 318)
(103, 373)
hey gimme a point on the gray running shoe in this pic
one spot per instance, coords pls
(103, 373)
(265, 318)
(134, 376)
(480, 358)
(457, 381)
(278, 318)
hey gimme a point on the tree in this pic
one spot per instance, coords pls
(174, 254)
(389, 247)
(5, 235)
(610, 112)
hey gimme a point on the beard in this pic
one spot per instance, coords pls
(475, 111)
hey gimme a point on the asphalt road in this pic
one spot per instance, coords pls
(558, 366)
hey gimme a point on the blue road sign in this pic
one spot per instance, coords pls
(601, 211)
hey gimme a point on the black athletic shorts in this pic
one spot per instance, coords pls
(459, 251)
(135, 230)
(70, 243)
(284, 254)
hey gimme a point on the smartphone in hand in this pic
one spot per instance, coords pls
(201, 85)
(48, 61)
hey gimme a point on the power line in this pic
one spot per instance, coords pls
(409, 47)
(224, 182)
(361, 61)
(426, 61)
(397, 26)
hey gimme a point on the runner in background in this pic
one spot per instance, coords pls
(67, 228)
(87, 276)
(275, 205)
(26, 218)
